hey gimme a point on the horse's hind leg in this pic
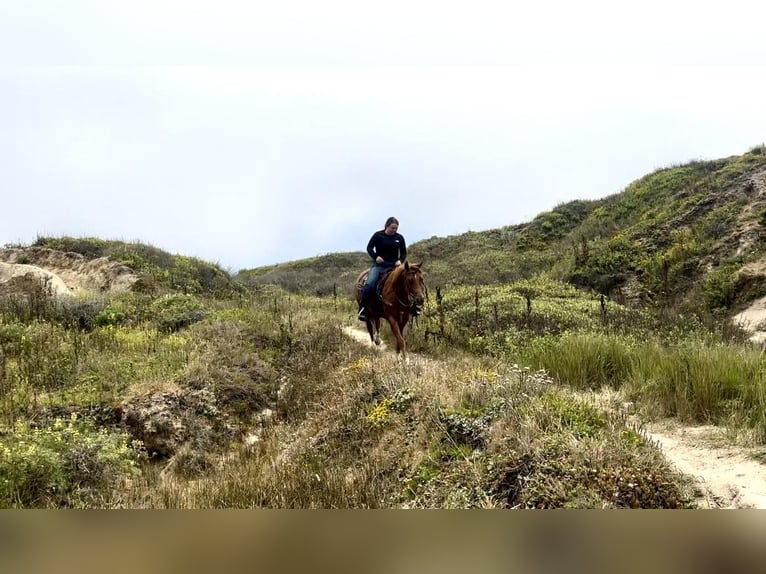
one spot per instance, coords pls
(377, 331)
(370, 330)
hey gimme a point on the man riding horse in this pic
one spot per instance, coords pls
(387, 249)
(402, 289)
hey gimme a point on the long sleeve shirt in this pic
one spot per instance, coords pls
(390, 247)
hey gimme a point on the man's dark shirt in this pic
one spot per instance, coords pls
(390, 247)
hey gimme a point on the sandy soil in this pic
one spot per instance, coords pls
(362, 336)
(10, 271)
(68, 273)
(753, 319)
(727, 476)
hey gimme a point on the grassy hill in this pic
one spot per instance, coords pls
(316, 275)
(199, 390)
(687, 236)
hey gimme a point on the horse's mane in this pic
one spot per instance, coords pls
(390, 284)
(392, 279)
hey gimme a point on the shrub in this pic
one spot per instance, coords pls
(720, 288)
(68, 464)
(11, 335)
(78, 313)
(174, 312)
(27, 298)
(115, 313)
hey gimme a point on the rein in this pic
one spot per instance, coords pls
(409, 304)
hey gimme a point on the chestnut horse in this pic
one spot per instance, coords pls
(401, 296)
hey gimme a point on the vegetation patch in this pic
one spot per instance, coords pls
(70, 463)
(175, 311)
(248, 394)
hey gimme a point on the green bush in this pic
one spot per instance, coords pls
(69, 464)
(78, 313)
(720, 288)
(89, 247)
(174, 312)
(113, 314)
(11, 335)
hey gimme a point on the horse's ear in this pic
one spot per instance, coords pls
(406, 266)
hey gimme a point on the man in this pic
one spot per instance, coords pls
(387, 249)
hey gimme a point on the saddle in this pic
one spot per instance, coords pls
(381, 281)
(377, 299)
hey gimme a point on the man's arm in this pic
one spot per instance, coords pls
(402, 250)
(371, 246)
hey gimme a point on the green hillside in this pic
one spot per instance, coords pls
(542, 350)
(681, 237)
(315, 276)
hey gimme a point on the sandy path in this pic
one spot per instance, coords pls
(725, 475)
(363, 337)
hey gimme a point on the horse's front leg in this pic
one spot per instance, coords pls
(377, 331)
(403, 320)
(401, 346)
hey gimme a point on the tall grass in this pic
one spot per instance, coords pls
(700, 382)
(695, 381)
(582, 360)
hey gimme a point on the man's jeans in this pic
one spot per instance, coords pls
(372, 279)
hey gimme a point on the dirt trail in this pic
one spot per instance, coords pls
(726, 476)
(362, 337)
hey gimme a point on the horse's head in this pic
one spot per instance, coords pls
(416, 288)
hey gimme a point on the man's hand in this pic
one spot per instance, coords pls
(378, 259)
(397, 263)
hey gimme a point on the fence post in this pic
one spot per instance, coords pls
(476, 304)
(440, 310)
(335, 296)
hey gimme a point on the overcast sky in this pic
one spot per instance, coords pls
(249, 133)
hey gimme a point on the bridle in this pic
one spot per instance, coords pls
(411, 302)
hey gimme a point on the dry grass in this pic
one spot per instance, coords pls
(374, 432)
